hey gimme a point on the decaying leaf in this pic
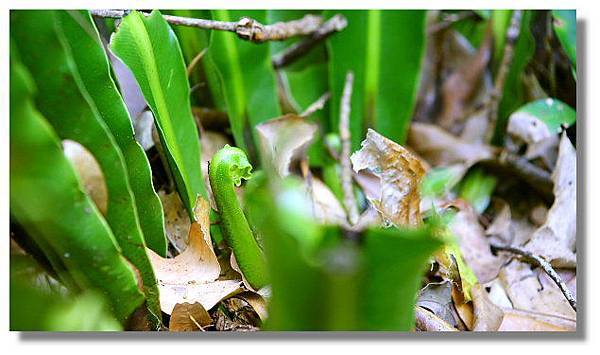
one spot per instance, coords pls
(516, 320)
(192, 275)
(284, 139)
(89, 173)
(257, 302)
(555, 239)
(440, 148)
(437, 297)
(327, 208)
(487, 315)
(177, 221)
(400, 174)
(189, 317)
(143, 126)
(532, 290)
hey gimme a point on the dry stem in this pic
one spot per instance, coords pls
(349, 200)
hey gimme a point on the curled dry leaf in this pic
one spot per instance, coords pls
(427, 321)
(89, 173)
(257, 302)
(285, 139)
(555, 239)
(143, 126)
(192, 275)
(440, 148)
(437, 298)
(327, 208)
(541, 142)
(188, 317)
(487, 315)
(177, 221)
(400, 174)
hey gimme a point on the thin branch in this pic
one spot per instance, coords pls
(349, 200)
(195, 61)
(295, 51)
(246, 28)
(317, 105)
(537, 260)
(512, 34)
(429, 322)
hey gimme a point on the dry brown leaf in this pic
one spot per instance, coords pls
(177, 221)
(257, 302)
(400, 174)
(285, 139)
(429, 322)
(327, 208)
(532, 290)
(515, 320)
(89, 173)
(541, 143)
(555, 240)
(437, 298)
(464, 309)
(440, 148)
(487, 315)
(188, 317)
(474, 245)
(191, 276)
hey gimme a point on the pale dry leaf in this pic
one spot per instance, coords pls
(440, 148)
(540, 141)
(143, 126)
(400, 174)
(532, 290)
(497, 294)
(487, 315)
(257, 302)
(285, 139)
(516, 320)
(555, 239)
(427, 321)
(437, 298)
(177, 220)
(474, 245)
(191, 276)
(89, 172)
(327, 208)
(189, 317)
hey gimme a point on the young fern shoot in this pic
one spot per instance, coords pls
(227, 168)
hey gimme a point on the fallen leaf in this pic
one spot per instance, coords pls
(487, 315)
(257, 302)
(192, 275)
(437, 298)
(532, 290)
(555, 239)
(515, 320)
(427, 321)
(327, 208)
(188, 317)
(177, 221)
(400, 174)
(89, 173)
(285, 139)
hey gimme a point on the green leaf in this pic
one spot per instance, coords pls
(513, 94)
(554, 113)
(247, 79)
(82, 40)
(47, 199)
(65, 102)
(565, 26)
(384, 49)
(477, 188)
(150, 49)
(439, 181)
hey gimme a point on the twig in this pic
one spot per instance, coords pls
(295, 51)
(449, 20)
(317, 105)
(195, 61)
(429, 322)
(545, 265)
(246, 28)
(349, 200)
(509, 50)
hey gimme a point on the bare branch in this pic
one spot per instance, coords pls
(512, 34)
(295, 51)
(246, 28)
(349, 200)
(317, 105)
(537, 260)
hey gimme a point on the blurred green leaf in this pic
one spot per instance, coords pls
(47, 199)
(83, 43)
(439, 181)
(513, 94)
(477, 188)
(247, 78)
(150, 49)
(65, 102)
(554, 113)
(565, 26)
(384, 49)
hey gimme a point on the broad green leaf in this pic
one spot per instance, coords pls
(477, 188)
(439, 181)
(553, 112)
(384, 49)
(47, 200)
(82, 40)
(513, 94)
(65, 102)
(500, 22)
(565, 26)
(247, 79)
(149, 47)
